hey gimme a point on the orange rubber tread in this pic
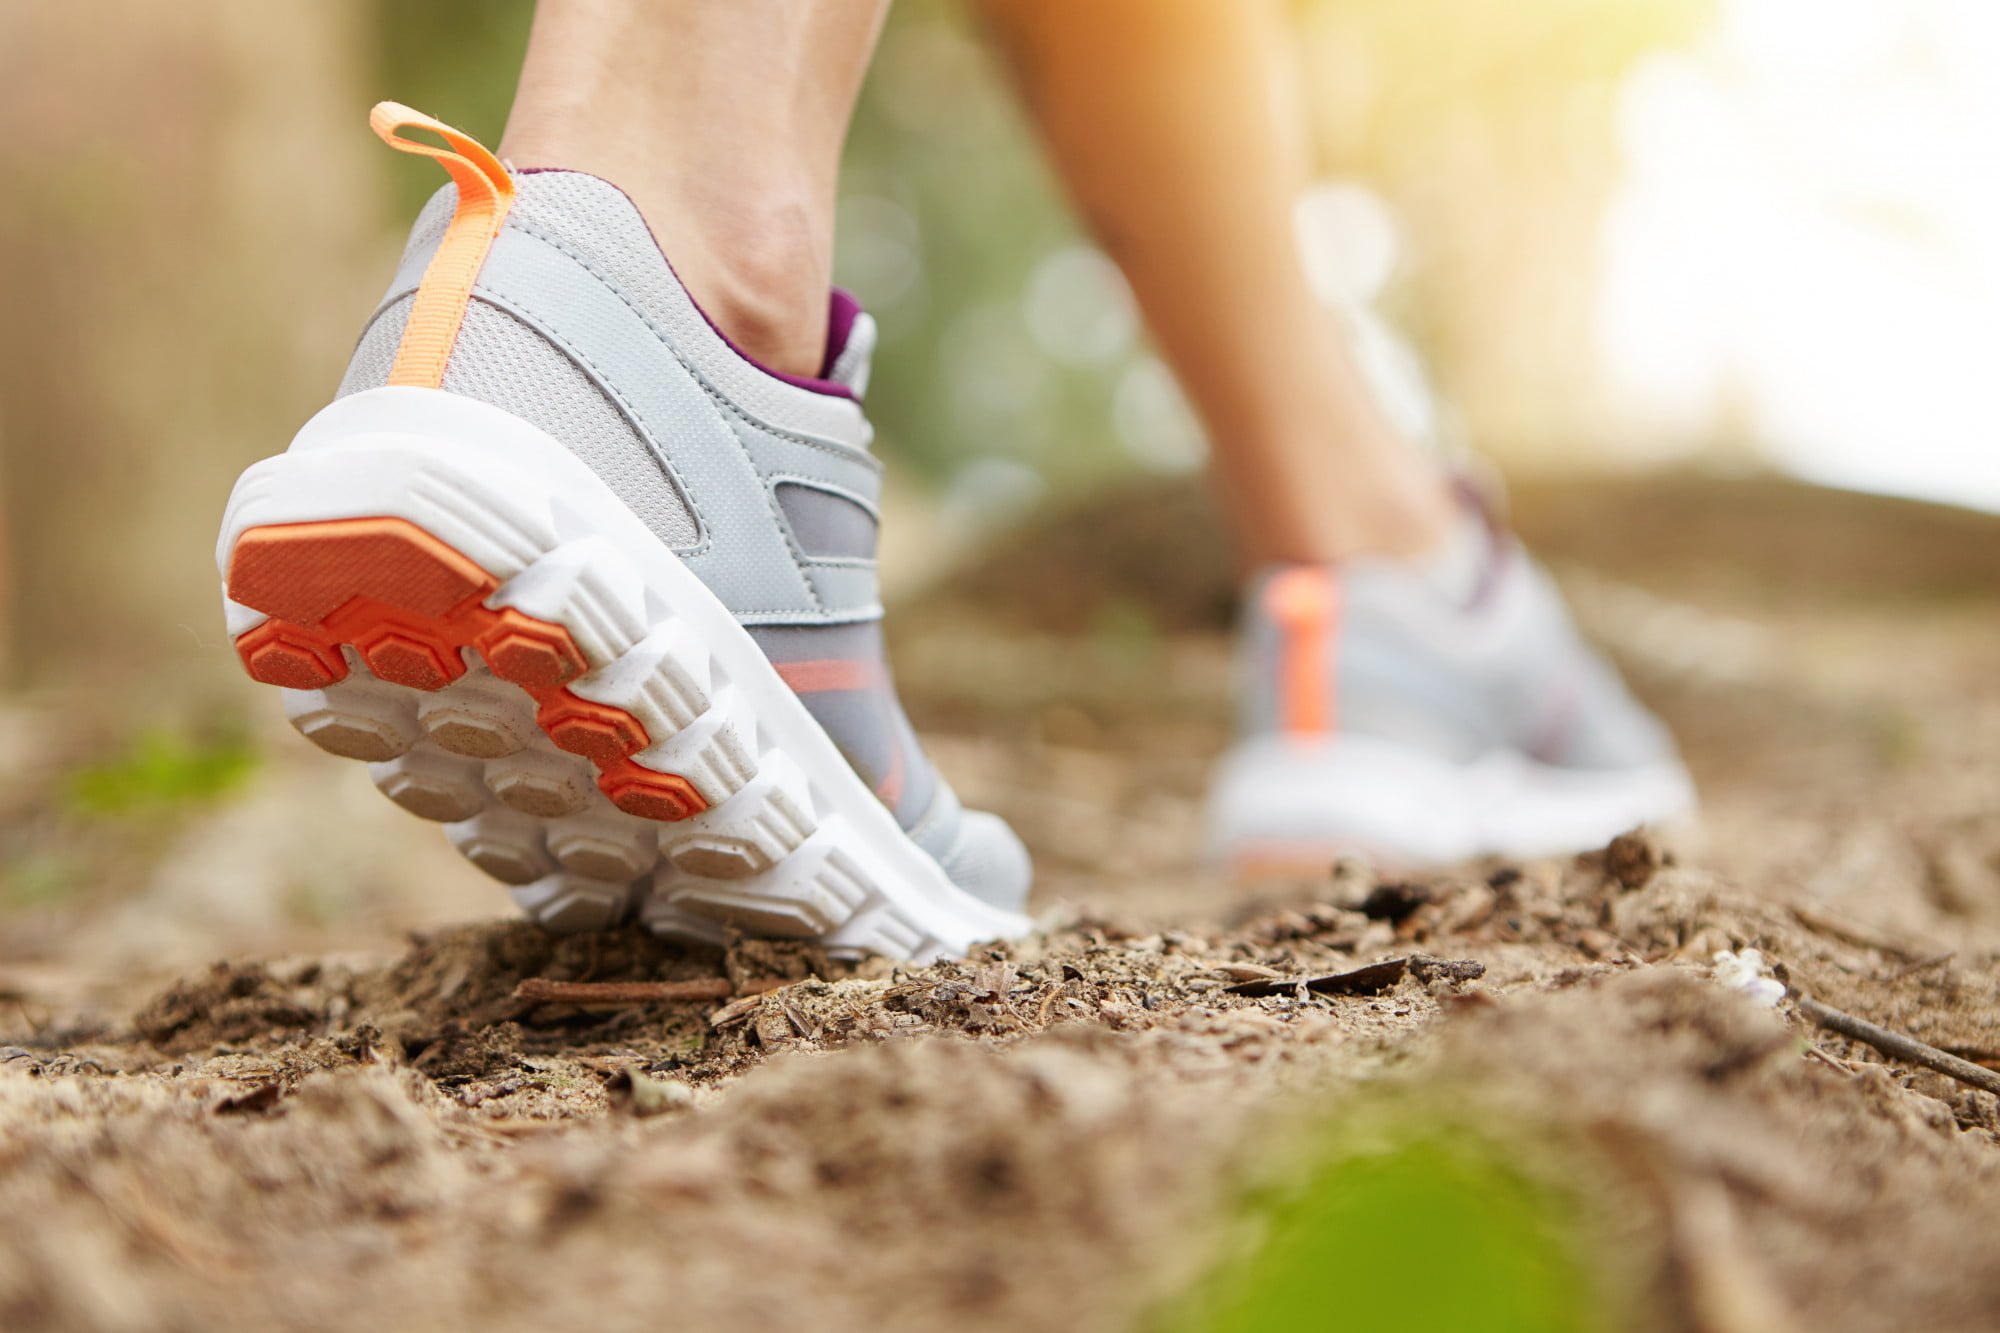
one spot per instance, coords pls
(410, 605)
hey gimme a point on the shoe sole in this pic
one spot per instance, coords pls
(1280, 806)
(448, 594)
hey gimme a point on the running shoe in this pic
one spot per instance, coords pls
(584, 583)
(1420, 715)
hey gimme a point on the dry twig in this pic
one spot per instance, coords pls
(545, 989)
(1830, 1060)
(1896, 1045)
(1370, 980)
(747, 1003)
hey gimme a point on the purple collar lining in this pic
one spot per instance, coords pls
(842, 311)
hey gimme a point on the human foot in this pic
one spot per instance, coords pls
(1426, 715)
(595, 590)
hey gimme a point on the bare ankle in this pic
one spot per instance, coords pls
(724, 123)
(1396, 510)
(754, 251)
(759, 270)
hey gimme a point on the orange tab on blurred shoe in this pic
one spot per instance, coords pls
(1304, 601)
(485, 193)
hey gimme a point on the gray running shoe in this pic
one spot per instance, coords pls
(1388, 715)
(585, 583)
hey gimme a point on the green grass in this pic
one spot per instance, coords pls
(161, 770)
(1435, 1231)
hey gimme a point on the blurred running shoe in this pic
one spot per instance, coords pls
(1421, 714)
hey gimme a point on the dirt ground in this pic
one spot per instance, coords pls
(347, 1126)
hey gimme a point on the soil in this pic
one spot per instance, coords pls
(336, 1129)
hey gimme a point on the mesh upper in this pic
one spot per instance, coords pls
(375, 355)
(501, 361)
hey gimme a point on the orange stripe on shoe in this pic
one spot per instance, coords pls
(831, 675)
(827, 675)
(485, 193)
(1304, 603)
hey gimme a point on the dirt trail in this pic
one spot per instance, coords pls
(1050, 1134)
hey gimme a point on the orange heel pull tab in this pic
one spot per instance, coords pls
(1304, 602)
(485, 193)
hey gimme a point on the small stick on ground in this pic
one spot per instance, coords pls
(747, 1003)
(547, 990)
(1897, 1045)
(1827, 1058)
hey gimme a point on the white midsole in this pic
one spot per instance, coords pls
(1277, 797)
(507, 495)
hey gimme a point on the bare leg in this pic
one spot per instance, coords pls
(1168, 122)
(736, 172)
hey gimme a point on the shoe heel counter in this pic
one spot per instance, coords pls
(499, 360)
(433, 330)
